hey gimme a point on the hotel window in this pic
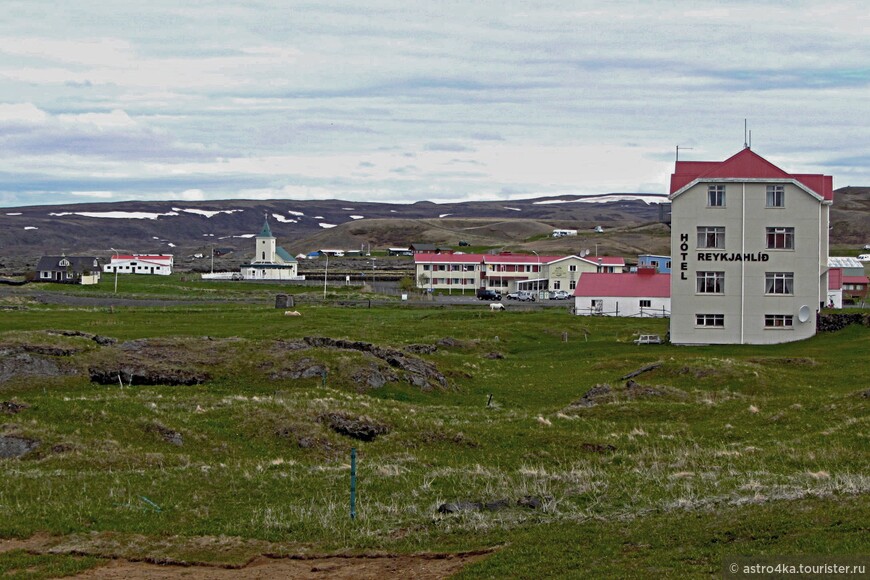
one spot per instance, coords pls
(715, 196)
(572, 268)
(426, 267)
(778, 320)
(780, 238)
(573, 284)
(775, 196)
(646, 303)
(710, 282)
(779, 283)
(557, 285)
(709, 320)
(711, 237)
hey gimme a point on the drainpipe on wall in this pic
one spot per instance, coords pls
(742, 263)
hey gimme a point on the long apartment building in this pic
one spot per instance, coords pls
(507, 272)
(749, 249)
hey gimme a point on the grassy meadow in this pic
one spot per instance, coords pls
(718, 451)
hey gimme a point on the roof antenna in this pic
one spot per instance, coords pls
(678, 151)
(745, 142)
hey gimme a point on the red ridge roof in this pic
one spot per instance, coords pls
(749, 165)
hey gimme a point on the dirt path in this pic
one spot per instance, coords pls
(367, 566)
(429, 566)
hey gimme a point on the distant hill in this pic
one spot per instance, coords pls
(632, 224)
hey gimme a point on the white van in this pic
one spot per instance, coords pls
(864, 258)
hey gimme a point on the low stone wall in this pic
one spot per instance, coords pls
(834, 322)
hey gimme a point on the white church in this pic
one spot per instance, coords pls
(271, 261)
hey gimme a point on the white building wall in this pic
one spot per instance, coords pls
(137, 267)
(627, 306)
(744, 302)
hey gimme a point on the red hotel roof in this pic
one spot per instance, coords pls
(746, 165)
(640, 284)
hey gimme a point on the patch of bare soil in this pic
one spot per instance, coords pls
(376, 566)
(418, 566)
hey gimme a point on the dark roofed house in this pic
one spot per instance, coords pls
(430, 249)
(68, 269)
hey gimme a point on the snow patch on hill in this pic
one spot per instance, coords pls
(206, 212)
(132, 215)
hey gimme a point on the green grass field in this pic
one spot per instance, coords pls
(719, 451)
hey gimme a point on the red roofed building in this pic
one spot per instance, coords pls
(507, 272)
(847, 283)
(641, 293)
(160, 264)
(749, 248)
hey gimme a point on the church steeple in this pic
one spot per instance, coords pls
(266, 232)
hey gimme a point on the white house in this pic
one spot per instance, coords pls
(160, 264)
(641, 293)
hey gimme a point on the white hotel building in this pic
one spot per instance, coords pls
(749, 244)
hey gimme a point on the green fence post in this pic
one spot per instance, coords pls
(353, 483)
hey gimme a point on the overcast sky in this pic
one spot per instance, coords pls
(405, 101)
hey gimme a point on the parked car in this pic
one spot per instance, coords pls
(523, 296)
(484, 294)
(559, 295)
(864, 258)
(867, 246)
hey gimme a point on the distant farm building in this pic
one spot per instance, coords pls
(159, 264)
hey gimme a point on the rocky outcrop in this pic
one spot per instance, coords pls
(12, 446)
(16, 362)
(416, 371)
(144, 373)
(361, 428)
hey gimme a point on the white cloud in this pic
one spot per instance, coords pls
(94, 194)
(21, 114)
(403, 102)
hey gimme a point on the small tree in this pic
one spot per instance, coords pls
(422, 280)
(406, 284)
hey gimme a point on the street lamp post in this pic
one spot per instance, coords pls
(538, 281)
(116, 269)
(325, 270)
